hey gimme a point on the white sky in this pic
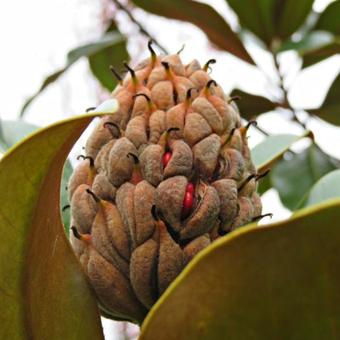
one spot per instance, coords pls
(35, 36)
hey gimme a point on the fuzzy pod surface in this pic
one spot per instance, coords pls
(162, 178)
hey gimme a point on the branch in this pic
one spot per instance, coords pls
(286, 103)
(138, 24)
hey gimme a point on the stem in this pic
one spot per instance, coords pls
(139, 25)
(286, 104)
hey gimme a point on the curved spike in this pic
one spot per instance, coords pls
(90, 108)
(188, 95)
(142, 95)
(65, 207)
(210, 82)
(76, 232)
(259, 176)
(181, 49)
(107, 124)
(247, 180)
(251, 123)
(166, 65)
(116, 74)
(208, 63)
(95, 197)
(259, 217)
(91, 160)
(132, 72)
(152, 51)
(82, 237)
(234, 99)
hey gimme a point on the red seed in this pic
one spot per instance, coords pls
(190, 188)
(188, 202)
(166, 158)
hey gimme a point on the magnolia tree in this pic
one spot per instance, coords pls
(158, 223)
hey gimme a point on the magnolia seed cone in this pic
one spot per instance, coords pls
(162, 178)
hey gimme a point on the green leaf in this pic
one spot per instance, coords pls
(251, 105)
(44, 293)
(329, 19)
(13, 131)
(293, 178)
(272, 148)
(264, 185)
(290, 15)
(113, 55)
(274, 282)
(326, 188)
(109, 40)
(271, 19)
(203, 16)
(330, 109)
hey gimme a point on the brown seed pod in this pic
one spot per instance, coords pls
(170, 260)
(143, 272)
(206, 154)
(83, 208)
(162, 178)
(169, 200)
(202, 106)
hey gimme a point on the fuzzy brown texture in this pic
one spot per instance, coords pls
(138, 224)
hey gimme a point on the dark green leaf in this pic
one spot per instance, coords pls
(272, 148)
(271, 19)
(293, 178)
(275, 282)
(329, 18)
(326, 188)
(290, 15)
(251, 105)
(264, 185)
(330, 109)
(43, 290)
(203, 16)
(113, 55)
(109, 40)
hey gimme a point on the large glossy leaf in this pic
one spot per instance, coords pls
(203, 16)
(275, 282)
(294, 177)
(251, 105)
(109, 40)
(272, 148)
(329, 18)
(270, 19)
(326, 188)
(13, 131)
(112, 55)
(44, 293)
(330, 109)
